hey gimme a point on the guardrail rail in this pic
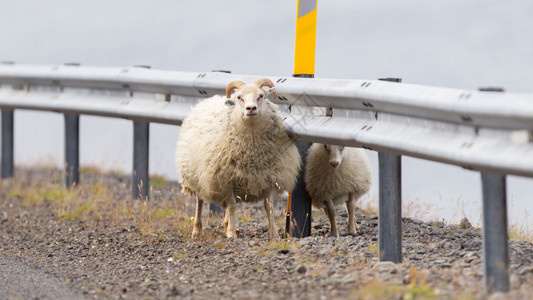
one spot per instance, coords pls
(485, 130)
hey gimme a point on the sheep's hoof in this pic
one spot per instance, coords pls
(196, 230)
(274, 236)
(231, 234)
(355, 232)
(331, 235)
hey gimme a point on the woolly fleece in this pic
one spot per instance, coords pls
(217, 152)
(353, 175)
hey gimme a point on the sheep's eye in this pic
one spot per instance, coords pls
(239, 97)
(260, 97)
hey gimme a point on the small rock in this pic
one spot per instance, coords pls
(301, 269)
(498, 296)
(386, 267)
(284, 251)
(174, 292)
(465, 224)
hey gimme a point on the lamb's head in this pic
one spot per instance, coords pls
(250, 98)
(335, 154)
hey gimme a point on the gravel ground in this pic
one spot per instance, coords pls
(97, 258)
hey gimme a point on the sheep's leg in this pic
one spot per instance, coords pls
(230, 217)
(197, 228)
(225, 223)
(269, 208)
(329, 209)
(350, 209)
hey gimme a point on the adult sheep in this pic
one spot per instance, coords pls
(336, 175)
(235, 148)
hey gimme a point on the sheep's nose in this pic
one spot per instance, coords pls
(251, 108)
(334, 163)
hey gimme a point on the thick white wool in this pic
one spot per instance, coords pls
(353, 175)
(217, 153)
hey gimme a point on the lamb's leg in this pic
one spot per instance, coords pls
(230, 217)
(269, 208)
(350, 209)
(197, 228)
(329, 209)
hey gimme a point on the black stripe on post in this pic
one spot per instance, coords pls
(7, 143)
(300, 200)
(390, 204)
(140, 184)
(72, 149)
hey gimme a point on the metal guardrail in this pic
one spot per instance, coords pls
(478, 130)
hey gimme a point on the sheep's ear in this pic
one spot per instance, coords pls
(229, 102)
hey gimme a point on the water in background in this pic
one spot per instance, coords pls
(447, 43)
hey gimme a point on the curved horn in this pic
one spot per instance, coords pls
(231, 86)
(261, 82)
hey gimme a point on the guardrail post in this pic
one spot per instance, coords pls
(390, 208)
(301, 200)
(390, 204)
(140, 184)
(495, 227)
(7, 143)
(72, 149)
(495, 235)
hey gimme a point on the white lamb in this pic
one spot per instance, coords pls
(235, 148)
(336, 175)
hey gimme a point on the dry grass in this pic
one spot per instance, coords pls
(418, 288)
(96, 202)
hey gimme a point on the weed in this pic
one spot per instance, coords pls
(282, 245)
(373, 248)
(377, 290)
(521, 230)
(180, 255)
(245, 219)
(219, 245)
(417, 289)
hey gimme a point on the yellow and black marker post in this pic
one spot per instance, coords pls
(304, 50)
(299, 214)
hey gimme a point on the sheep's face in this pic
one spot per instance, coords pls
(250, 100)
(335, 155)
